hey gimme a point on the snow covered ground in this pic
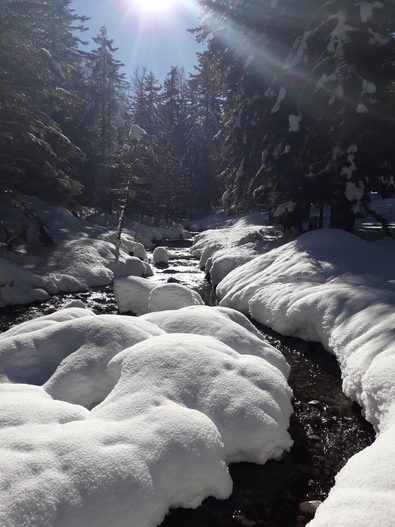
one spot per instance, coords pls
(84, 253)
(335, 288)
(110, 419)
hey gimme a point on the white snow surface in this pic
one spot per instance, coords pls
(236, 242)
(140, 296)
(172, 296)
(335, 288)
(160, 256)
(111, 420)
(83, 254)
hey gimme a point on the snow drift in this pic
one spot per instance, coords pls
(333, 287)
(112, 420)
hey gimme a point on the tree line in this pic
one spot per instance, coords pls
(291, 106)
(66, 112)
(308, 90)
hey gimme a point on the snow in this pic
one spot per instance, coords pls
(366, 10)
(160, 256)
(368, 87)
(294, 121)
(136, 133)
(281, 96)
(335, 288)
(172, 296)
(238, 241)
(108, 419)
(112, 419)
(140, 295)
(83, 254)
(132, 294)
(361, 108)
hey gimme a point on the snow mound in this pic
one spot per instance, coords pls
(160, 256)
(132, 294)
(205, 320)
(172, 296)
(333, 287)
(233, 245)
(174, 409)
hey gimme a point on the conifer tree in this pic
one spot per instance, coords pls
(39, 63)
(203, 122)
(310, 98)
(106, 87)
(171, 145)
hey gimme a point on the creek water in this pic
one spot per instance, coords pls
(327, 428)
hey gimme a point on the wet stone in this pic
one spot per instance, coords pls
(308, 508)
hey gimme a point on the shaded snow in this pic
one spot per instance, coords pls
(84, 254)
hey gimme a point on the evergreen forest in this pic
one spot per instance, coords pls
(291, 108)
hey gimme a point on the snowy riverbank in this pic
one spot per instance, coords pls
(332, 287)
(83, 254)
(161, 403)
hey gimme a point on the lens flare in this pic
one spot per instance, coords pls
(155, 6)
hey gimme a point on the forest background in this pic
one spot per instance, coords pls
(290, 111)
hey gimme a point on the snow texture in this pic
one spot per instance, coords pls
(281, 96)
(83, 254)
(136, 133)
(366, 10)
(332, 287)
(111, 420)
(172, 296)
(294, 121)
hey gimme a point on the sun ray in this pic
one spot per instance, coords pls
(155, 6)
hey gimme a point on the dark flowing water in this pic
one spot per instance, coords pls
(326, 427)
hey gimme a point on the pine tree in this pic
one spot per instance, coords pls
(39, 61)
(203, 123)
(106, 84)
(172, 145)
(310, 105)
(106, 87)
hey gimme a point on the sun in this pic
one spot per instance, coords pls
(155, 6)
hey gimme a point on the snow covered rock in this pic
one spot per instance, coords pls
(132, 294)
(172, 296)
(174, 409)
(160, 256)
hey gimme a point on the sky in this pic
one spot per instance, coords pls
(148, 33)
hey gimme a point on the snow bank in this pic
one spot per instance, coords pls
(83, 254)
(20, 286)
(333, 287)
(130, 419)
(220, 251)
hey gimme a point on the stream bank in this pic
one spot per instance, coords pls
(326, 427)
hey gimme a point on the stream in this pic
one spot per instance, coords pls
(327, 428)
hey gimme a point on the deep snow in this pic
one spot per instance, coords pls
(333, 287)
(107, 419)
(100, 413)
